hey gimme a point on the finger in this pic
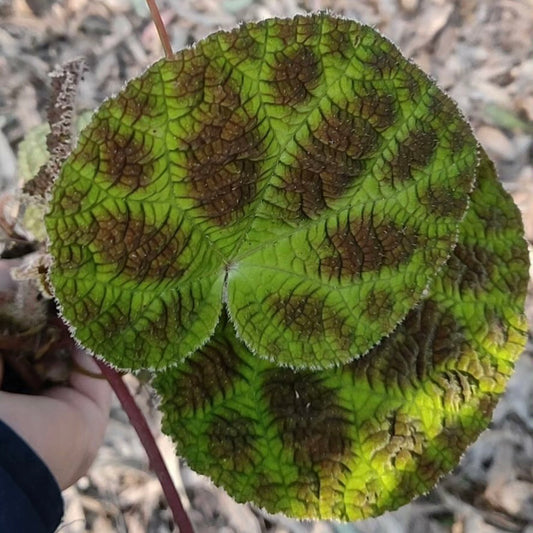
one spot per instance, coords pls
(89, 380)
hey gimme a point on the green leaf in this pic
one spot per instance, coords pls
(300, 225)
(355, 441)
(299, 172)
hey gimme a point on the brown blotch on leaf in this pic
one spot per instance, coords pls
(74, 232)
(380, 110)
(123, 159)
(88, 308)
(208, 373)
(295, 74)
(311, 318)
(442, 200)
(189, 67)
(112, 319)
(223, 157)
(384, 62)
(414, 153)
(469, 268)
(232, 438)
(310, 418)
(300, 313)
(172, 315)
(134, 105)
(241, 44)
(328, 163)
(428, 338)
(366, 245)
(139, 250)
(71, 199)
(284, 29)
(380, 303)
(337, 41)
(346, 133)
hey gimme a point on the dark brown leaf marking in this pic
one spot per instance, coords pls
(331, 161)
(73, 231)
(337, 41)
(175, 311)
(380, 304)
(134, 106)
(232, 439)
(284, 29)
(115, 319)
(300, 313)
(210, 372)
(137, 100)
(300, 29)
(309, 417)
(241, 44)
(311, 318)
(442, 200)
(474, 268)
(139, 250)
(385, 62)
(380, 110)
(469, 268)
(75, 235)
(414, 152)
(366, 245)
(459, 137)
(295, 74)
(487, 205)
(347, 133)
(123, 159)
(87, 309)
(428, 338)
(189, 67)
(71, 199)
(223, 158)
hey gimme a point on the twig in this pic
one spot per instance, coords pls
(160, 26)
(157, 464)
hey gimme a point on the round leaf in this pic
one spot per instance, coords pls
(354, 441)
(300, 172)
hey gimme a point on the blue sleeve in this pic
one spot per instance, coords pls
(30, 498)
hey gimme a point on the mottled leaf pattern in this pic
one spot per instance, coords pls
(357, 440)
(298, 223)
(301, 170)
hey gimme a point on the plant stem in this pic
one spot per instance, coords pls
(157, 464)
(160, 26)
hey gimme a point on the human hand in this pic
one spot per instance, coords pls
(64, 425)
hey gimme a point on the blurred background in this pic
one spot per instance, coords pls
(480, 52)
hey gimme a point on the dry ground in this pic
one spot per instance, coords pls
(481, 52)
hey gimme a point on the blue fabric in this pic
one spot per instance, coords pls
(30, 498)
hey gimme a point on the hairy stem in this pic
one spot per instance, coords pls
(160, 26)
(157, 464)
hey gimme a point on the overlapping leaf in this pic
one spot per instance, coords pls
(300, 223)
(355, 441)
(300, 171)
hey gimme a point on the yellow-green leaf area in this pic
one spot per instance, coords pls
(351, 442)
(299, 173)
